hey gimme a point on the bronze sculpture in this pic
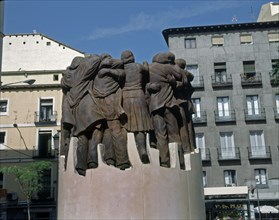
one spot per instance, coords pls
(104, 98)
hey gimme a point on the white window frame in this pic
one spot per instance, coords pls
(220, 72)
(230, 178)
(204, 178)
(197, 105)
(3, 145)
(217, 41)
(246, 39)
(253, 104)
(37, 138)
(227, 145)
(200, 142)
(223, 106)
(277, 103)
(261, 176)
(257, 143)
(194, 69)
(7, 107)
(39, 105)
(190, 42)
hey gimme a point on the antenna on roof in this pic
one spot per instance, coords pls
(234, 18)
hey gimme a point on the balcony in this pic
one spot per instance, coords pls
(41, 118)
(199, 118)
(251, 79)
(259, 152)
(226, 154)
(221, 82)
(276, 114)
(205, 154)
(254, 115)
(225, 116)
(198, 84)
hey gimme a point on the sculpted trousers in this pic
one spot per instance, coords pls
(166, 131)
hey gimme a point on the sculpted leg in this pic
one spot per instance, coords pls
(140, 138)
(82, 149)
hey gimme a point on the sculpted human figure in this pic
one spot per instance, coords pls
(188, 107)
(78, 80)
(107, 95)
(162, 104)
(134, 102)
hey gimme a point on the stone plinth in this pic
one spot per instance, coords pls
(146, 191)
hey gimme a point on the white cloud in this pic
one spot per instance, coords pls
(143, 21)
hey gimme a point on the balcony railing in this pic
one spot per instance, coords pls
(251, 79)
(255, 114)
(51, 153)
(198, 84)
(259, 152)
(205, 154)
(232, 153)
(276, 114)
(49, 118)
(199, 117)
(221, 82)
(225, 116)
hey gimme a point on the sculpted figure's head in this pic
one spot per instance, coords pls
(75, 62)
(164, 58)
(127, 56)
(181, 63)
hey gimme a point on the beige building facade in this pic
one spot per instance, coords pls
(30, 115)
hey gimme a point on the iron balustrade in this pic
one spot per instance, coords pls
(230, 153)
(225, 116)
(45, 118)
(251, 79)
(255, 114)
(205, 154)
(199, 117)
(259, 152)
(221, 81)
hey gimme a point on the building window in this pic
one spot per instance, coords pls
(197, 105)
(2, 140)
(275, 63)
(1, 180)
(253, 106)
(55, 77)
(48, 43)
(257, 143)
(201, 144)
(273, 37)
(220, 72)
(46, 110)
(277, 103)
(217, 41)
(190, 43)
(44, 143)
(246, 39)
(260, 176)
(249, 69)
(204, 178)
(230, 177)
(3, 107)
(223, 105)
(227, 145)
(45, 192)
(194, 69)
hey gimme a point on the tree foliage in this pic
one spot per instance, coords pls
(28, 177)
(275, 72)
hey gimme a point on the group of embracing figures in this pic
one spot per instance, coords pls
(104, 98)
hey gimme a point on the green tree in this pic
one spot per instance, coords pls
(28, 177)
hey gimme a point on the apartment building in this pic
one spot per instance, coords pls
(237, 112)
(30, 113)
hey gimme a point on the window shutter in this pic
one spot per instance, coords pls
(246, 38)
(218, 40)
(273, 37)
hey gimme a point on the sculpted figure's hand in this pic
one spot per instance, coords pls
(173, 83)
(153, 87)
(102, 72)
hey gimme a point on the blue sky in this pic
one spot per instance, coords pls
(100, 26)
